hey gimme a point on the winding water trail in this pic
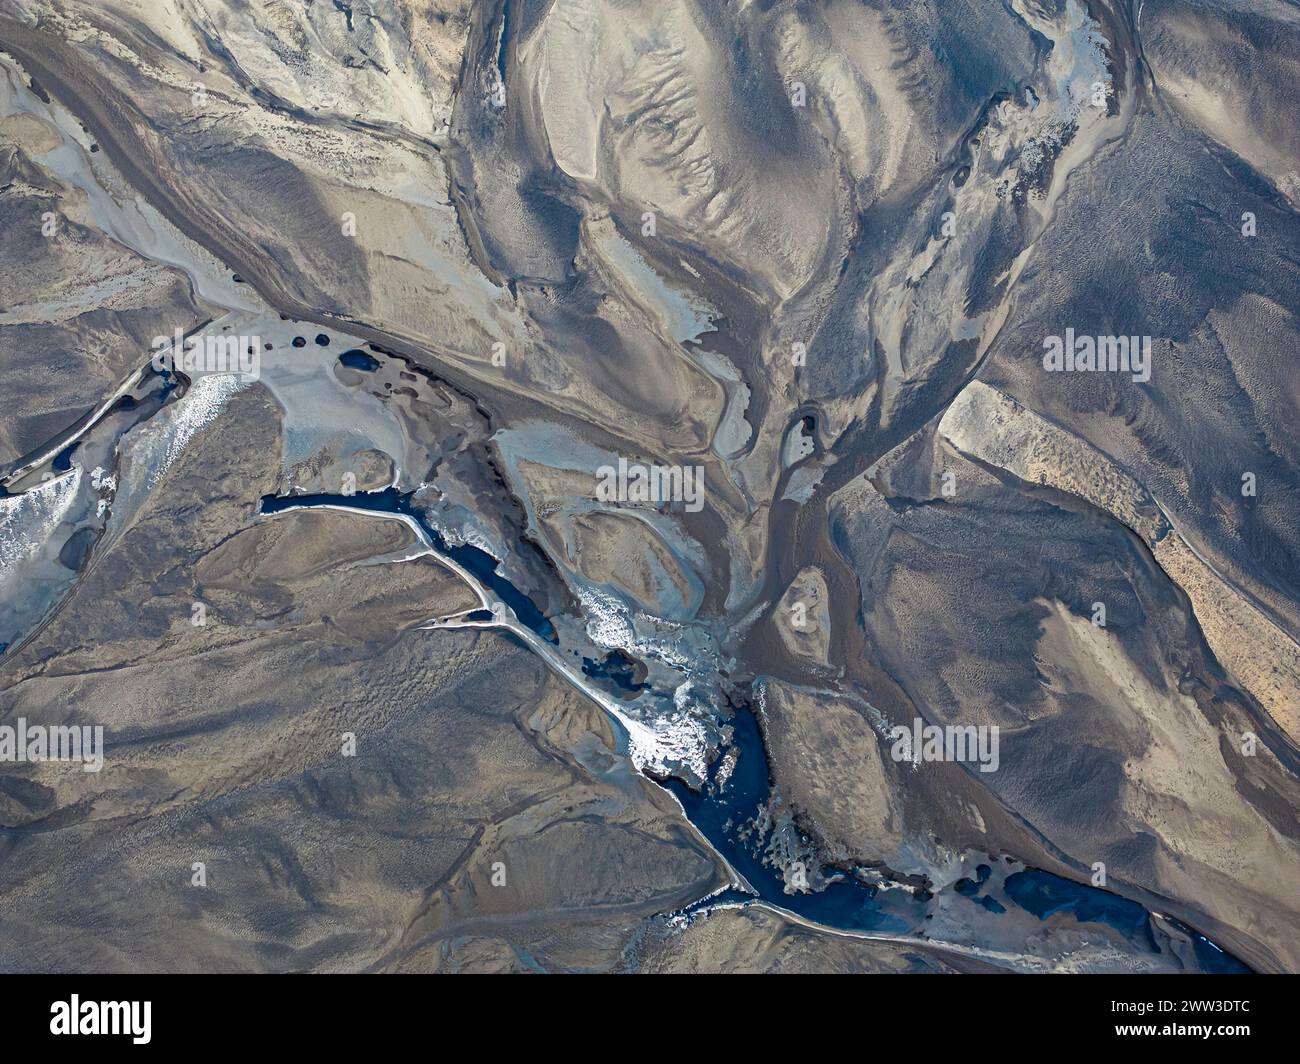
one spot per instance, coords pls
(728, 814)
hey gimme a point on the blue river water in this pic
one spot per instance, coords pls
(729, 815)
(850, 905)
(478, 562)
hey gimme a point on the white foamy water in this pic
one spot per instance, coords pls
(201, 406)
(27, 521)
(664, 739)
(659, 746)
(152, 447)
